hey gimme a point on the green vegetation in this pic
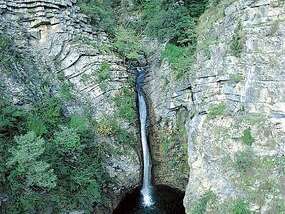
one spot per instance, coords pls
(244, 160)
(106, 126)
(241, 207)
(236, 77)
(174, 23)
(174, 149)
(8, 55)
(99, 76)
(27, 169)
(237, 42)
(49, 159)
(180, 58)
(247, 137)
(109, 126)
(169, 22)
(100, 13)
(127, 43)
(201, 205)
(125, 102)
(37, 125)
(40, 164)
(216, 110)
(79, 123)
(103, 72)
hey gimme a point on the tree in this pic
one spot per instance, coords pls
(67, 140)
(27, 168)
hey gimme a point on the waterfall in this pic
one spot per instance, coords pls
(146, 190)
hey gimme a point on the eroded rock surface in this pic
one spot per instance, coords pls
(64, 47)
(234, 99)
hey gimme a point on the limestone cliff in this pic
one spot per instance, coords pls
(65, 49)
(234, 99)
(220, 128)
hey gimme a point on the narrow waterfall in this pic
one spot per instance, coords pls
(149, 198)
(146, 190)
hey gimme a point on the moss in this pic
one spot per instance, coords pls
(237, 42)
(240, 207)
(247, 137)
(173, 154)
(125, 102)
(9, 55)
(103, 73)
(180, 59)
(200, 206)
(244, 160)
(236, 77)
(274, 28)
(216, 110)
(212, 15)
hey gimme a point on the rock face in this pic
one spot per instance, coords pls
(168, 103)
(237, 149)
(234, 99)
(65, 48)
(226, 118)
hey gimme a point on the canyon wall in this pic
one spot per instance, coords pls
(218, 132)
(233, 101)
(65, 50)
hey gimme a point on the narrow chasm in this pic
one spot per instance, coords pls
(149, 198)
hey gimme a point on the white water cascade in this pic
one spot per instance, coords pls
(146, 190)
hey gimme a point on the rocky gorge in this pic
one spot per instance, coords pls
(216, 133)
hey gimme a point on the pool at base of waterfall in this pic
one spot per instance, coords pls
(164, 200)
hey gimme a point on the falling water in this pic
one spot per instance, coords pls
(149, 199)
(146, 190)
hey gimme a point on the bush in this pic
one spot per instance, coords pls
(67, 139)
(241, 207)
(127, 43)
(247, 137)
(244, 160)
(11, 118)
(106, 126)
(216, 110)
(173, 24)
(79, 123)
(36, 125)
(125, 103)
(49, 110)
(180, 59)
(201, 205)
(172, 21)
(100, 13)
(25, 163)
(103, 72)
(237, 42)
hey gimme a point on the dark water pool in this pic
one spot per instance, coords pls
(166, 201)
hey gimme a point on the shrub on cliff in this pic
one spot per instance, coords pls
(127, 43)
(237, 42)
(100, 13)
